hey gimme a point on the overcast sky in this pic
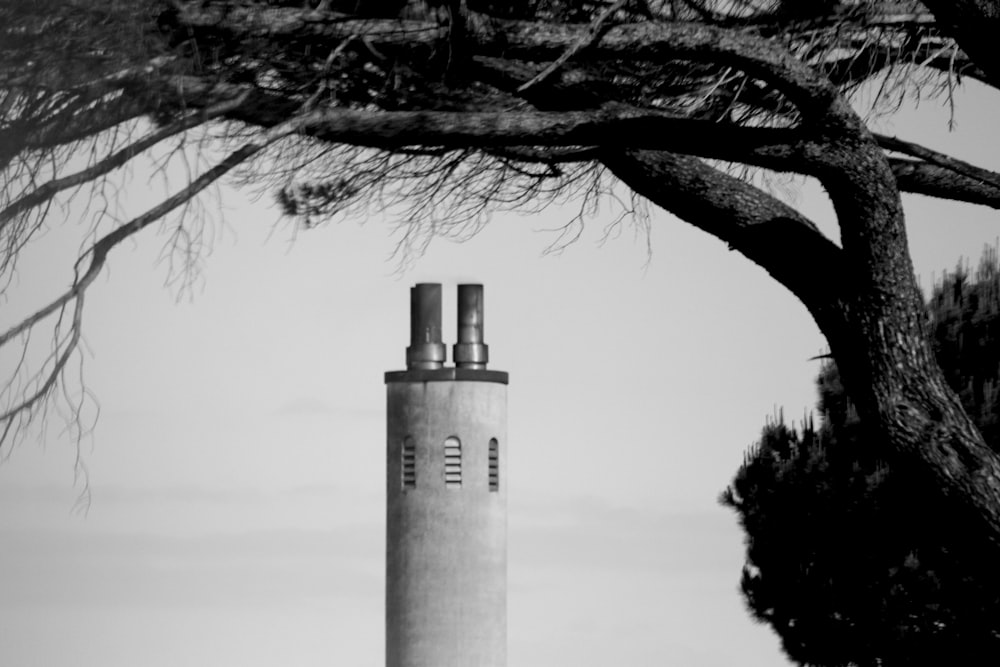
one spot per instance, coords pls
(237, 469)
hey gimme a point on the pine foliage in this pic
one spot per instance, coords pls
(847, 560)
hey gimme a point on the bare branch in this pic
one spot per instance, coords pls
(51, 188)
(974, 24)
(588, 38)
(98, 254)
(921, 178)
(282, 22)
(547, 156)
(768, 232)
(620, 126)
(652, 41)
(62, 357)
(67, 129)
(961, 168)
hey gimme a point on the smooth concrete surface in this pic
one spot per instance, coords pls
(446, 548)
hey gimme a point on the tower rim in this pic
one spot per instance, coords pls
(450, 374)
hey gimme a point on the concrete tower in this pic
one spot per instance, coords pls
(446, 529)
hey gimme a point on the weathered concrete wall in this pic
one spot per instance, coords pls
(446, 548)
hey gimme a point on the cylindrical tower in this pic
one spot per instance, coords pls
(446, 529)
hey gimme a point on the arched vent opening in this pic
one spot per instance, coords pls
(409, 461)
(452, 463)
(494, 465)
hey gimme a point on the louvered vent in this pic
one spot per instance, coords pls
(409, 463)
(494, 465)
(452, 463)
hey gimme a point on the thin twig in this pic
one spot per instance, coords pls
(592, 35)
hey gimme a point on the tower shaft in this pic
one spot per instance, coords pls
(446, 529)
(446, 555)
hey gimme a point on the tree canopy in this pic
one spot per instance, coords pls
(443, 113)
(846, 561)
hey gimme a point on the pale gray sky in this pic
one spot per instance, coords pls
(237, 468)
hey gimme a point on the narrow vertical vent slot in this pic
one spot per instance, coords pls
(452, 463)
(494, 465)
(409, 462)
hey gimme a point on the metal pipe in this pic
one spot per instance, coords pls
(470, 351)
(426, 351)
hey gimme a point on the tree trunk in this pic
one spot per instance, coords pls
(865, 299)
(882, 348)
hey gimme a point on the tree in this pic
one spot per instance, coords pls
(846, 561)
(449, 112)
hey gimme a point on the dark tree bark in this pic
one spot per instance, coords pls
(974, 25)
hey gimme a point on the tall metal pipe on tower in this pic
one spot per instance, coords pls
(446, 528)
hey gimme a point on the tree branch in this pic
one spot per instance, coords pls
(768, 232)
(98, 254)
(591, 36)
(242, 21)
(814, 95)
(780, 149)
(547, 156)
(921, 178)
(961, 168)
(974, 24)
(624, 127)
(49, 189)
(61, 131)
